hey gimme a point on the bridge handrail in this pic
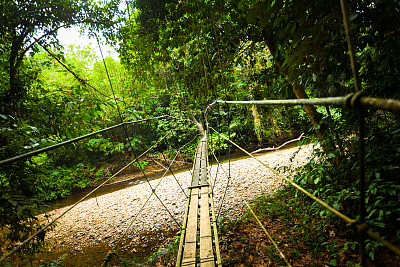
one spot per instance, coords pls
(356, 100)
(353, 100)
(74, 140)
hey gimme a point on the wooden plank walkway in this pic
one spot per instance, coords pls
(197, 246)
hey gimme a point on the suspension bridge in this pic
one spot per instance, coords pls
(199, 244)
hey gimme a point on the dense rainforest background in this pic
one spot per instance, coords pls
(177, 57)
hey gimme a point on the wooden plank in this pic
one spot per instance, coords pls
(189, 252)
(203, 171)
(196, 172)
(181, 241)
(206, 249)
(199, 190)
(203, 164)
(214, 224)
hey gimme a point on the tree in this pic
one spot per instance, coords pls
(25, 24)
(29, 113)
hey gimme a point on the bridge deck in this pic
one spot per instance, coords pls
(197, 245)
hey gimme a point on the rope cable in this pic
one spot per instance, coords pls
(350, 45)
(142, 207)
(361, 124)
(223, 198)
(162, 177)
(219, 138)
(352, 222)
(352, 100)
(254, 215)
(126, 135)
(79, 201)
(113, 92)
(183, 191)
(141, 168)
(229, 164)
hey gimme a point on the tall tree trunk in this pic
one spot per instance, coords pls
(14, 93)
(299, 91)
(258, 127)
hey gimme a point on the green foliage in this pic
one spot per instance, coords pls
(40, 106)
(104, 146)
(59, 181)
(218, 143)
(55, 263)
(320, 177)
(178, 57)
(18, 206)
(19, 37)
(140, 164)
(304, 237)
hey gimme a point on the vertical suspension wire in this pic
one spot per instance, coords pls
(229, 137)
(229, 172)
(154, 191)
(130, 144)
(209, 144)
(217, 146)
(361, 126)
(350, 45)
(125, 131)
(127, 3)
(170, 169)
(113, 92)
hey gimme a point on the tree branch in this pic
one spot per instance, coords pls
(36, 40)
(82, 81)
(276, 148)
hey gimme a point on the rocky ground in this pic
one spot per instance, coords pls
(104, 219)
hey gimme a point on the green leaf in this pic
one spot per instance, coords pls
(371, 254)
(333, 263)
(35, 129)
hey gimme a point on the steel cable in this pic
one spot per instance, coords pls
(79, 201)
(153, 190)
(169, 168)
(71, 141)
(254, 215)
(361, 124)
(126, 135)
(142, 207)
(162, 177)
(361, 227)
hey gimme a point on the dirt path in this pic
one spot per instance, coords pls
(103, 220)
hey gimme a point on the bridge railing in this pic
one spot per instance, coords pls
(357, 101)
(126, 136)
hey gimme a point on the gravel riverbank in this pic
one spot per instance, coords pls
(105, 218)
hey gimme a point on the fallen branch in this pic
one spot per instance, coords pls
(165, 168)
(279, 147)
